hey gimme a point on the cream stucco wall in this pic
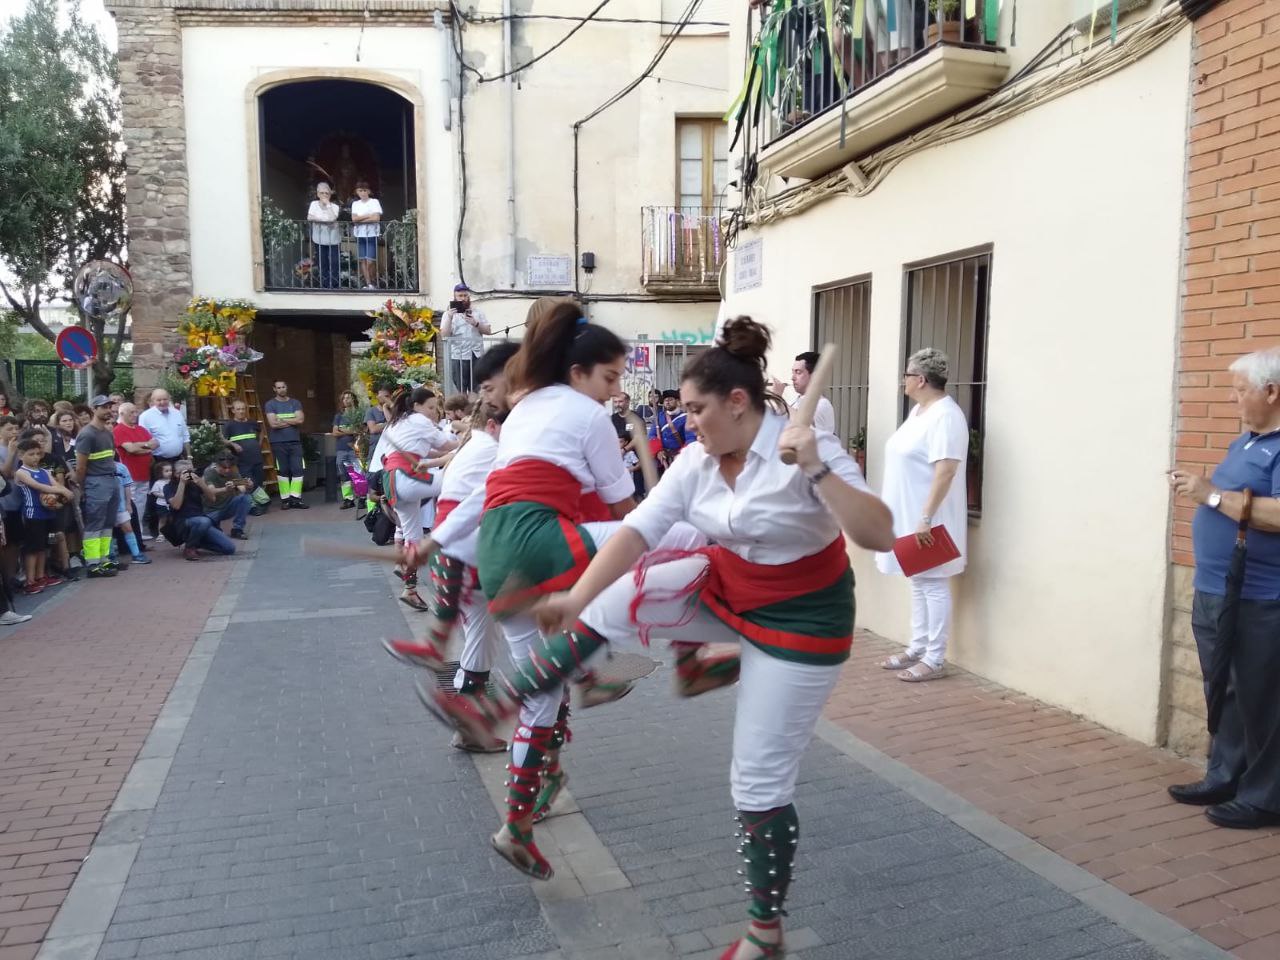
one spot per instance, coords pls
(626, 155)
(221, 64)
(1065, 595)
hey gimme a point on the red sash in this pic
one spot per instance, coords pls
(742, 585)
(443, 509)
(407, 463)
(731, 586)
(534, 481)
(592, 509)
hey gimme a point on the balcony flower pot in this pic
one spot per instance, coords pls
(946, 23)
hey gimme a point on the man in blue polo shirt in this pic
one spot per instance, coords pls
(670, 424)
(1241, 787)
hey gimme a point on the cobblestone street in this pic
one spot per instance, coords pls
(293, 800)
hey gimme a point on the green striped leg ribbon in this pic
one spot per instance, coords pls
(556, 660)
(768, 850)
(446, 592)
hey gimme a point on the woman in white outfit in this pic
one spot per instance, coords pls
(409, 443)
(924, 486)
(778, 584)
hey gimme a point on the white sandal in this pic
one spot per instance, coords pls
(922, 672)
(899, 661)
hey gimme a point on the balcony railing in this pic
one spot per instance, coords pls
(683, 246)
(817, 69)
(319, 258)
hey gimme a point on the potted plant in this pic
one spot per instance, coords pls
(282, 239)
(859, 446)
(973, 470)
(206, 441)
(945, 24)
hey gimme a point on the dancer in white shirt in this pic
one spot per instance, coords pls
(455, 586)
(778, 582)
(408, 445)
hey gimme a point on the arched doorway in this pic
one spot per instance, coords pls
(339, 131)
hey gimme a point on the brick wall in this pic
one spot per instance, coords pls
(1231, 288)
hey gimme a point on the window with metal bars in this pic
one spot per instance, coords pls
(842, 315)
(946, 308)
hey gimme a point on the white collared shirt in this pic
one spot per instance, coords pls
(562, 426)
(465, 339)
(414, 434)
(464, 481)
(824, 415)
(168, 429)
(772, 515)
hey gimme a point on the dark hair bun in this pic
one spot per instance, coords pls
(746, 340)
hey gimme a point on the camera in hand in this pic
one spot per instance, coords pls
(457, 306)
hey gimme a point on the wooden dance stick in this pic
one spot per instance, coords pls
(803, 417)
(337, 548)
(648, 469)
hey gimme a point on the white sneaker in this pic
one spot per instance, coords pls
(11, 619)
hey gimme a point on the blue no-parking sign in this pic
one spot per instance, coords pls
(76, 347)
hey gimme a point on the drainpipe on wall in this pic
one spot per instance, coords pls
(508, 62)
(446, 71)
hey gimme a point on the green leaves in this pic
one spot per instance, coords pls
(61, 160)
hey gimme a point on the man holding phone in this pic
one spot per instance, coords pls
(463, 326)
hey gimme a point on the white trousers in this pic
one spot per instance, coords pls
(930, 618)
(410, 493)
(138, 493)
(477, 634)
(779, 701)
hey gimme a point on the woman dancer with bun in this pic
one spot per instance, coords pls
(410, 440)
(778, 583)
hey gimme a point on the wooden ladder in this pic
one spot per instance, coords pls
(247, 390)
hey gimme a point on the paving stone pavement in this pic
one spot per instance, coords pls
(312, 810)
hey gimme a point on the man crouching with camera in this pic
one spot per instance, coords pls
(198, 505)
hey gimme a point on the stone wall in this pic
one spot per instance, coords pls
(150, 52)
(1231, 284)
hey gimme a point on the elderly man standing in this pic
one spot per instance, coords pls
(134, 447)
(463, 326)
(1241, 786)
(167, 426)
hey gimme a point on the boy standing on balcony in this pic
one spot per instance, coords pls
(366, 215)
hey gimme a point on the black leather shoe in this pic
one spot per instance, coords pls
(301, 505)
(238, 535)
(1239, 815)
(1202, 794)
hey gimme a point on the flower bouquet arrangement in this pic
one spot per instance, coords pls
(402, 348)
(216, 334)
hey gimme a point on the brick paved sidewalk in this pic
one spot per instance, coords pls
(1094, 797)
(80, 687)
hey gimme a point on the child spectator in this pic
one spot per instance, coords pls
(84, 415)
(41, 497)
(161, 474)
(123, 524)
(631, 460)
(366, 214)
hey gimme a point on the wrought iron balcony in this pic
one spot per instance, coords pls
(326, 257)
(850, 85)
(683, 248)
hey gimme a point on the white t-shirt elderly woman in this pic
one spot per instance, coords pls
(924, 486)
(325, 233)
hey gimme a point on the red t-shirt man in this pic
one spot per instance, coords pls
(138, 464)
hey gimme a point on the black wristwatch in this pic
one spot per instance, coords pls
(821, 475)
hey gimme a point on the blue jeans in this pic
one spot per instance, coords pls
(199, 531)
(236, 508)
(327, 262)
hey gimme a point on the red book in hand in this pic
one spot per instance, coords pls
(914, 559)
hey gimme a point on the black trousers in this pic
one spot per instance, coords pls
(288, 454)
(1246, 749)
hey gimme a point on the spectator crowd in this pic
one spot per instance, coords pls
(86, 489)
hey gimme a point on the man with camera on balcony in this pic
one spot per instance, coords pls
(464, 328)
